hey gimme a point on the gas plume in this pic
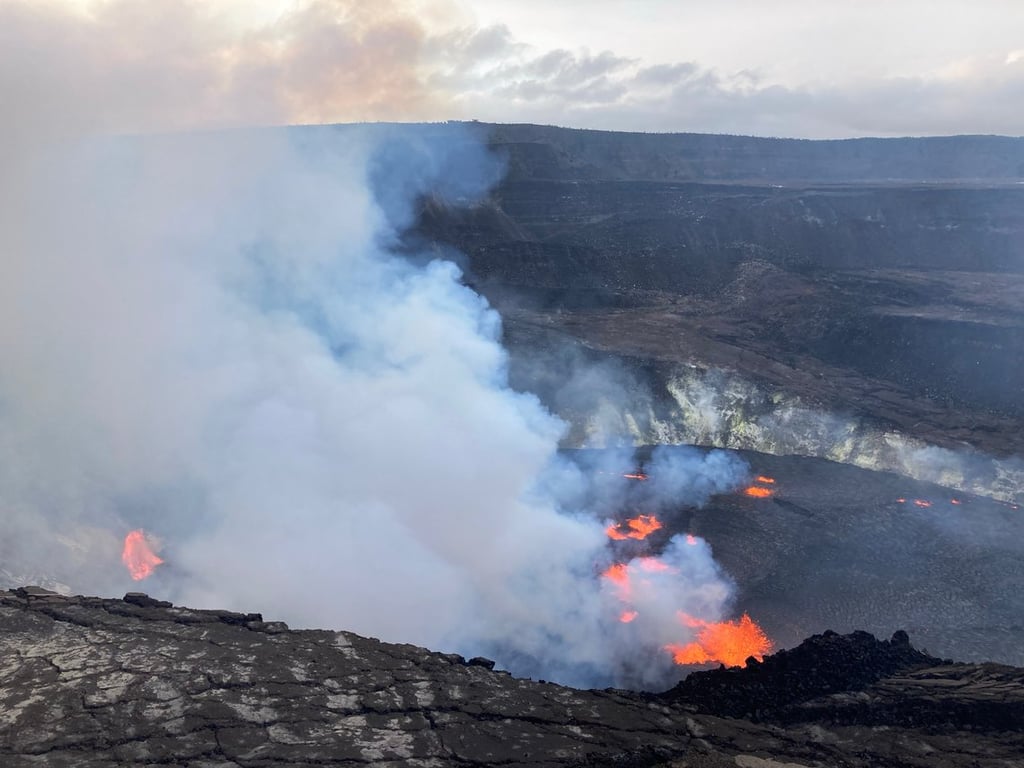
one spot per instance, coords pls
(210, 337)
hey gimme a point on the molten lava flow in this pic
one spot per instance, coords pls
(901, 500)
(638, 528)
(955, 501)
(628, 616)
(728, 642)
(759, 491)
(691, 539)
(635, 476)
(137, 556)
(922, 503)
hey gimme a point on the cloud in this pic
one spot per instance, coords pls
(122, 66)
(608, 90)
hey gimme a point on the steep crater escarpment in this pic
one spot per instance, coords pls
(881, 280)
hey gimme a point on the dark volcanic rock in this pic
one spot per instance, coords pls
(821, 665)
(88, 681)
(857, 681)
(548, 152)
(100, 682)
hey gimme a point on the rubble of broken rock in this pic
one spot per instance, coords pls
(88, 681)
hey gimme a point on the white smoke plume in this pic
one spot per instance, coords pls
(209, 336)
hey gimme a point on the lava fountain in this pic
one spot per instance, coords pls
(728, 642)
(138, 557)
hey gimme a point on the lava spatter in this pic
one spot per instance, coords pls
(727, 642)
(636, 528)
(138, 556)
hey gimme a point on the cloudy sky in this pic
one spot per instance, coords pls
(810, 68)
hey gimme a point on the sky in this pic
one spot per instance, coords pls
(803, 68)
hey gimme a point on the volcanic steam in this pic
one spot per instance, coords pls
(211, 337)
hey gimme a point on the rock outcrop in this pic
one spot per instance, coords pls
(822, 665)
(105, 682)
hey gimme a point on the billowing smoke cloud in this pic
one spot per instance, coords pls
(210, 336)
(207, 336)
(673, 476)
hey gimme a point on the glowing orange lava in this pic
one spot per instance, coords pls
(901, 500)
(727, 642)
(617, 574)
(635, 475)
(955, 501)
(691, 539)
(922, 503)
(759, 491)
(638, 528)
(628, 616)
(138, 557)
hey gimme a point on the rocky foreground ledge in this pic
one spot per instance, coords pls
(102, 682)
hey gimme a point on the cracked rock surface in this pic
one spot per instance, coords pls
(104, 682)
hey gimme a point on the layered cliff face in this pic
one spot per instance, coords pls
(102, 682)
(879, 282)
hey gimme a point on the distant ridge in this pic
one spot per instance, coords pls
(545, 152)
